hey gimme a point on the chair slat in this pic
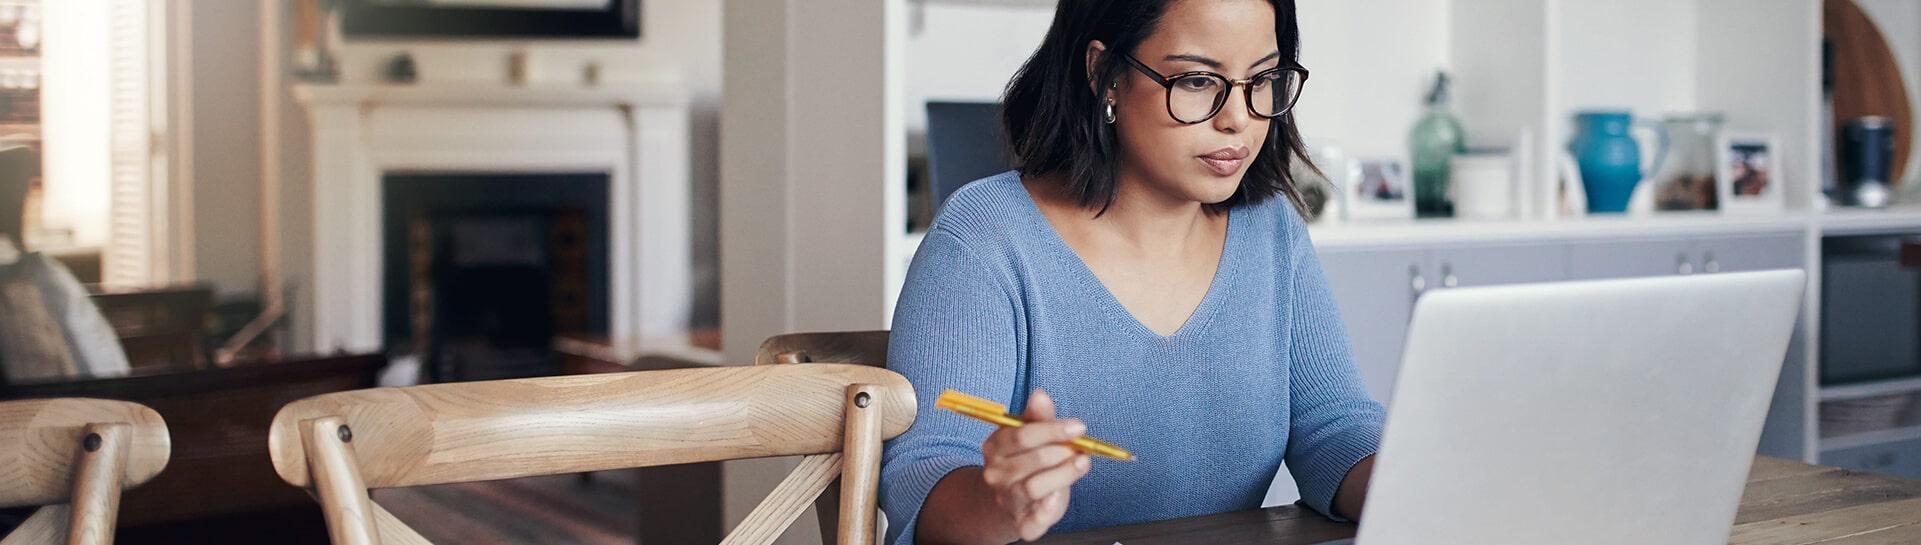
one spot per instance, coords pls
(47, 526)
(393, 531)
(789, 499)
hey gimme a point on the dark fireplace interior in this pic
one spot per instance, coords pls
(483, 270)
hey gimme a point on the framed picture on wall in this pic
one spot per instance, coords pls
(1748, 173)
(1377, 188)
(471, 19)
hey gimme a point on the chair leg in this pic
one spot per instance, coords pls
(336, 479)
(860, 469)
(96, 485)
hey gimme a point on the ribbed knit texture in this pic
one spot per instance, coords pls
(996, 305)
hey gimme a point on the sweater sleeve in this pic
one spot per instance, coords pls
(1334, 422)
(954, 328)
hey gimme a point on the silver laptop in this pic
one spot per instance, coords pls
(1591, 412)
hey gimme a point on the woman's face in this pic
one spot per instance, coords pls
(1201, 162)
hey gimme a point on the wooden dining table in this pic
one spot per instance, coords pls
(1785, 503)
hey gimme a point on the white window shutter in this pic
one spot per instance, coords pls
(128, 258)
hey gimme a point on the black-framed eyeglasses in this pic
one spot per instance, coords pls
(1195, 97)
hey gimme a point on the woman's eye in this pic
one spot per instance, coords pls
(1263, 82)
(1195, 83)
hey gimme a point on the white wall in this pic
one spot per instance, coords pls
(1368, 70)
(226, 148)
(966, 52)
(1615, 55)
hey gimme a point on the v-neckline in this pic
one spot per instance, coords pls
(1110, 303)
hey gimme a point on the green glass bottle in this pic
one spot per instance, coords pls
(1435, 140)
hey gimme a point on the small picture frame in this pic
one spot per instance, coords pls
(1748, 174)
(1377, 188)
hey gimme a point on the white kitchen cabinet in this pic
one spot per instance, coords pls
(1376, 290)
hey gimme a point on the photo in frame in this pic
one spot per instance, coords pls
(1748, 173)
(1377, 188)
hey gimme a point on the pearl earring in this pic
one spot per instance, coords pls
(1110, 111)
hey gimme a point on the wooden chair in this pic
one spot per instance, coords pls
(72, 456)
(856, 347)
(218, 467)
(342, 444)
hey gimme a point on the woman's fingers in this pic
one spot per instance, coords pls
(1057, 478)
(1040, 406)
(1031, 469)
(1035, 435)
(1007, 470)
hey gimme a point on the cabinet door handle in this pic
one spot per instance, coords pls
(1448, 280)
(1416, 281)
(1683, 266)
(1709, 264)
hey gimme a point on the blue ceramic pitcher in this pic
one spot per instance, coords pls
(1609, 158)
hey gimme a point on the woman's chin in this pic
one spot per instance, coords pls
(1214, 189)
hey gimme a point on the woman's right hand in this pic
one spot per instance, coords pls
(1031, 468)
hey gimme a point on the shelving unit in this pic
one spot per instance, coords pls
(1870, 389)
(1873, 438)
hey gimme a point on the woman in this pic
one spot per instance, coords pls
(1146, 271)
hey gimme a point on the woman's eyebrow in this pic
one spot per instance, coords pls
(1214, 64)
(1189, 57)
(1270, 56)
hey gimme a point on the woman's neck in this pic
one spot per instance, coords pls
(1146, 216)
(1141, 218)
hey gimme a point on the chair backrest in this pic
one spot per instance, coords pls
(80, 453)
(217, 419)
(856, 347)
(343, 444)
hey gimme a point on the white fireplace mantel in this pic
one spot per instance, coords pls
(636, 133)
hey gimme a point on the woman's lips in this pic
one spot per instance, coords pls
(1225, 161)
(1222, 167)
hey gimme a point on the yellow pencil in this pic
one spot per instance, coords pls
(994, 413)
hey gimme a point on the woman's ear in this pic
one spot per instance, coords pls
(1094, 51)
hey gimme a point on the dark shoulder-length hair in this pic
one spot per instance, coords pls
(1054, 117)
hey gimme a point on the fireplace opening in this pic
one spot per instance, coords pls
(483, 270)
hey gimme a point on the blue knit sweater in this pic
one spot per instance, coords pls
(996, 304)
